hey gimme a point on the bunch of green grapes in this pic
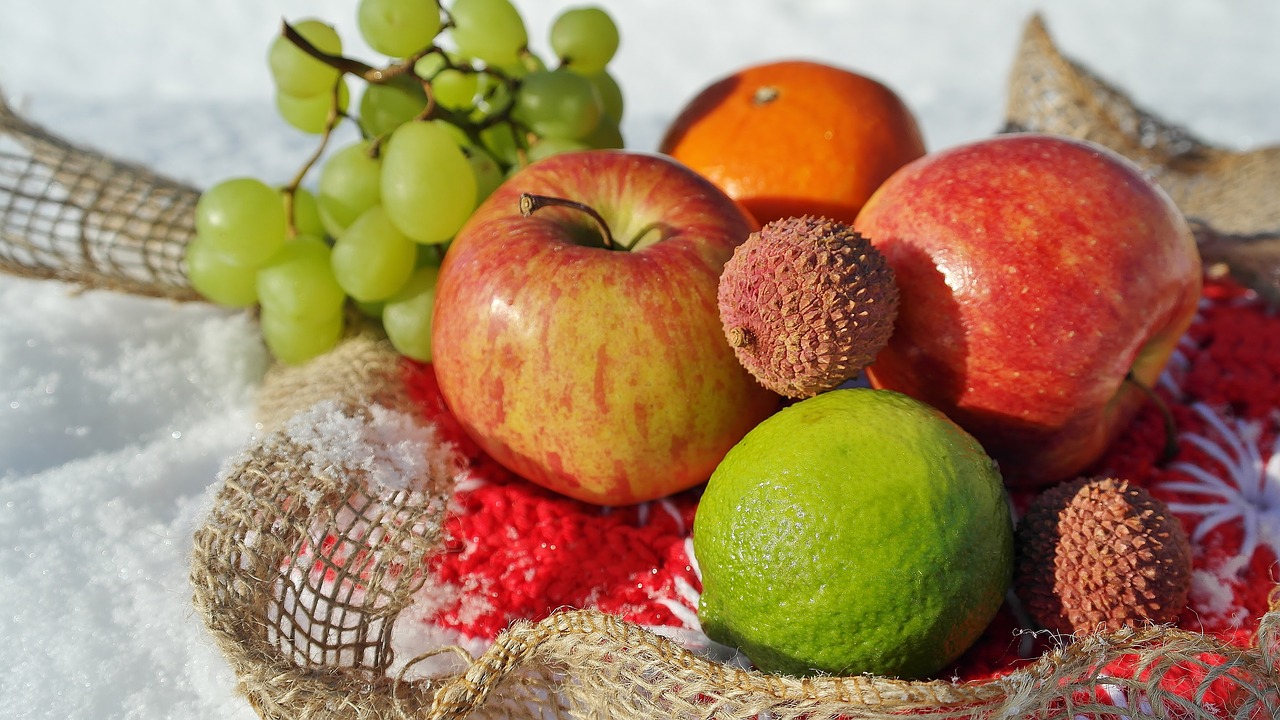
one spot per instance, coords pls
(460, 105)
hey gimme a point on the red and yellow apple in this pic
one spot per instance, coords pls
(1044, 283)
(594, 370)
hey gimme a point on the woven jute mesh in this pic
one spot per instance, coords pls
(303, 565)
(68, 213)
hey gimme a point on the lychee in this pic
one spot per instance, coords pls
(806, 303)
(1100, 554)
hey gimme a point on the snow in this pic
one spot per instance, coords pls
(389, 449)
(116, 413)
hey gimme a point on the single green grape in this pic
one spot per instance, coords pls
(428, 65)
(611, 100)
(299, 281)
(242, 219)
(406, 316)
(386, 106)
(350, 183)
(371, 309)
(310, 114)
(372, 259)
(428, 186)
(431, 254)
(493, 97)
(294, 341)
(488, 172)
(526, 62)
(557, 103)
(548, 146)
(456, 133)
(306, 213)
(216, 278)
(585, 39)
(295, 72)
(606, 136)
(455, 89)
(398, 28)
(491, 31)
(501, 142)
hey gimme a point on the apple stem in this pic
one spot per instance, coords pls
(530, 203)
(1170, 427)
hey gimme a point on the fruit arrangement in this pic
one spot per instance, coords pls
(461, 104)
(603, 331)
(618, 327)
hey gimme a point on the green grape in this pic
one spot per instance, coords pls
(311, 114)
(294, 341)
(527, 62)
(398, 28)
(455, 89)
(606, 136)
(499, 139)
(428, 65)
(242, 219)
(428, 187)
(372, 259)
(306, 213)
(557, 103)
(295, 72)
(372, 309)
(548, 146)
(299, 282)
(457, 134)
(611, 101)
(491, 31)
(350, 183)
(493, 97)
(386, 106)
(216, 278)
(488, 172)
(430, 254)
(407, 315)
(585, 39)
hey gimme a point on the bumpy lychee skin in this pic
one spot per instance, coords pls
(1100, 555)
(807, 303)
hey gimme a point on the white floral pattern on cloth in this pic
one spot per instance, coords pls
(1240, 484)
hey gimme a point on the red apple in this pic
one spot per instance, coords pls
(599, 373)
(1044, 283)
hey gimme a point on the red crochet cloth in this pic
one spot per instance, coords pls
(515, 550)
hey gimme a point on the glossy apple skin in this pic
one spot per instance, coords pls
(1035, 273)
(600, 374)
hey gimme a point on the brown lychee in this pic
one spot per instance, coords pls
(806, 303)
(1101, 554)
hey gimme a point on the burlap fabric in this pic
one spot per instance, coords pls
(73, 215)
(308, 557)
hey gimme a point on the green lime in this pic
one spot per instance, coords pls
(857, 531)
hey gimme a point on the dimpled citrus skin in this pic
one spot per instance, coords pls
(806, 303)
(858, 531)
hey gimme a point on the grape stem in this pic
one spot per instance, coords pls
(290, 190)
(375, 75)
(530, 203)
(348, 65)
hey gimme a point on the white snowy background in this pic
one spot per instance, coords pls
(117, 412)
